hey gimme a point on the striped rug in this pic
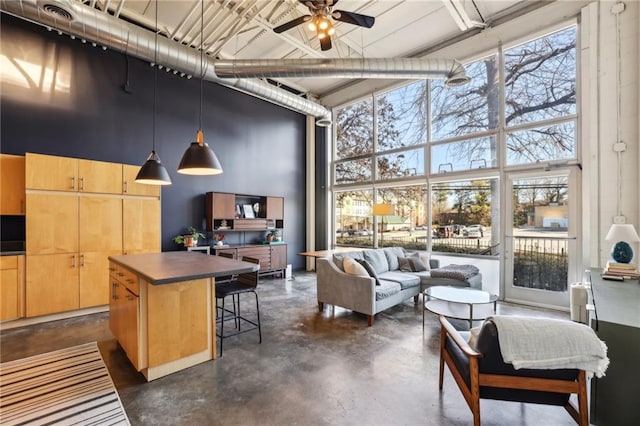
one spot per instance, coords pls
(66, 387)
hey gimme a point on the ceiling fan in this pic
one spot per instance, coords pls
(320, 11)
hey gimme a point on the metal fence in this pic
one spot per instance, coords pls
(419, 242)
(541, 263)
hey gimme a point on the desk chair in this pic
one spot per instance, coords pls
(244, 283)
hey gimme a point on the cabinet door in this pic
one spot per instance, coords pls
(279, 257)
(129, 185)
(52, 284)
(12, 196)
(115, 319)
(100, 224)
(99, 176)
(275, 208)
(9, 287)
(51, 172)
(94, 278)
(130, 316)
(224, 205)
(141, 225)
(52, 223)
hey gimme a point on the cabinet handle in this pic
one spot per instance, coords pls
(82, 184)
(115, 289)
(73, 182)
(82, 260)
(124, 186)
(73, 261)
(21, 206)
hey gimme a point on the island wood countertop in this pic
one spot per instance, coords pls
(177, 266)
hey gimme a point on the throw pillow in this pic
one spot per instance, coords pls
(473, 336)
(392, 254)
(370, 270)
(377, 259)
(354, 268)
(424, 257)
(411, 264)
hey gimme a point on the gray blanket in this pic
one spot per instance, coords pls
(544, 344)
(456, 272)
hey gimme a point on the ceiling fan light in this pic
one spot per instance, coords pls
(324, 24)
(321, 35)
(331, 31)
(312, 25)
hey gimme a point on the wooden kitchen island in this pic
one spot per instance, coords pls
(162, 308)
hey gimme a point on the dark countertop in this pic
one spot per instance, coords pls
(616, 301)
(12, 248)
(171, 267)
(11, 253)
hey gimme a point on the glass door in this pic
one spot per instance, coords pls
(541, 258)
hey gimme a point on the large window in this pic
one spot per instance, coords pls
(460, 141)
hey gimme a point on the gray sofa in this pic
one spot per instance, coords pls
(361, 294)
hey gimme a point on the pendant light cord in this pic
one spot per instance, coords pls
(155, 81)
(201, 57)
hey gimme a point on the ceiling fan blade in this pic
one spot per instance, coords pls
(325, 43)
(354, 18)
(288, 25)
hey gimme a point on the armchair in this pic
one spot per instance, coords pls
(482, 373)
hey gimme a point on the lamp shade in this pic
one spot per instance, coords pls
(199, 159)
(622, 232)
(153, 172)
(383, 209)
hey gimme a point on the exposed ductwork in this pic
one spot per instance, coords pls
(415, 68)
(87, 23)
(90, 24)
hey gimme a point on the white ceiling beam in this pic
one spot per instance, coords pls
(460, 15)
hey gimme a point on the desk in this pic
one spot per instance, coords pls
(205, 249)
(328, 253)
(614, 396)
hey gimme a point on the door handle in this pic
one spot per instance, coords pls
(82, 260)
(73, 182)
(73, 261)
(82, 184)
(124, 186)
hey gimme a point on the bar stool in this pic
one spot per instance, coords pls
(245, 283)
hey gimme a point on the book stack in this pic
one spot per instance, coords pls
(620, 271)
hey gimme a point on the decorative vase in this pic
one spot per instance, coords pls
(189, 241)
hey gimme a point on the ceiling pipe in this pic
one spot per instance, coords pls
(451, 70)
(90, 24)
(87, 23)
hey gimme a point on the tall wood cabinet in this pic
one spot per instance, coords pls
(86, 212)
(12, 200)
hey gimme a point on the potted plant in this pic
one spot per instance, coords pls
(273, 236)
(190, 239)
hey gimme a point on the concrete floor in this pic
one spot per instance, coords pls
(311, 369)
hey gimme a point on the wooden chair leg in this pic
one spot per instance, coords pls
(443, 337)
(583, 404)
(474, 374)
(415, 299)
(370, 321)
(320, 306)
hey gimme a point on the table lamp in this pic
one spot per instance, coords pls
(623, 234)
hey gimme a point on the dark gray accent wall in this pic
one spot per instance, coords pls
(63, 97)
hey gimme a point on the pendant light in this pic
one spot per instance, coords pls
(153, 172)
(199, 159)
